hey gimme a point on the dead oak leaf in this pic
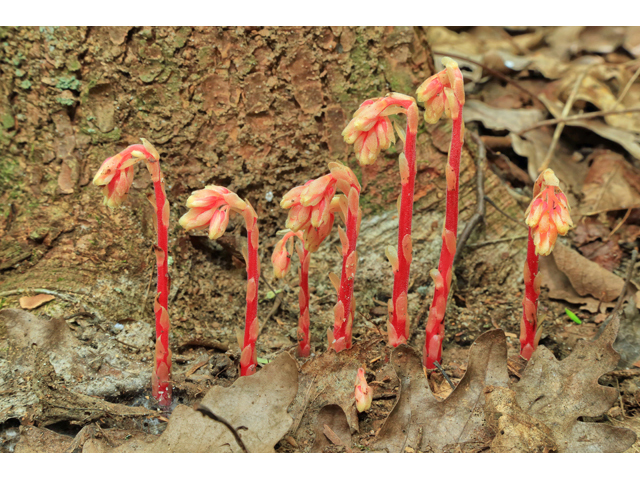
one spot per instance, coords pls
(420, 421)
(576, 279)
(258, 402)
(559, 393)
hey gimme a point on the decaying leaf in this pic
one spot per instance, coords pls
(501, 118)
(627, 342)
(329, 379)
(576, 279)
(332, 428)
(612, 183)
(516, 431)
(423, 423)
(29, 303)
(560, 393)
(258, 402)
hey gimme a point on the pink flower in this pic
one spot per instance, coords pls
(549, 213)
(442, 93)
(116, 173)
(369, 132)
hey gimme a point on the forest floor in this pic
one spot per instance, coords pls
(76, 300)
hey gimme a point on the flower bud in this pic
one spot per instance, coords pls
(363, 392)
(219, 222)
(281, 258)
(197, 217)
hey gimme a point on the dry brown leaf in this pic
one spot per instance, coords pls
(560, 393)
(329, 379)
(420, 421)
(29, 303)
(501, 118)
(535, 146)
(611, 184)
(258, 402)
(628, 140)
(332, 427)
(575, 279)
(628, 340)
(516, 430)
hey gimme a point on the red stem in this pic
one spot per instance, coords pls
(248, 358)
(162, 372)
(529, 324)
(442, 280)
(304, 342)
(399, 319)
(344, 309)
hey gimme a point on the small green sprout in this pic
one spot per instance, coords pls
(573, 316)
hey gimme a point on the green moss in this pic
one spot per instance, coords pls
(69, 83)
(25, 84)
(7, 121)
(67, 102)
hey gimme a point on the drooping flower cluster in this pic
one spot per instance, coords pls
(210, 208)
(312, 206)
(549, 213)
(442, 93)
(369, 131)
(115, 174)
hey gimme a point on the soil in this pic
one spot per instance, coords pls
(258, 110)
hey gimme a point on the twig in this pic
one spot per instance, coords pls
(498, 240)
(627, 281)
(624, 219)
(626, 88)
(210, 344)
(582, 116)
(272, 312)
(493, 204)
(565, 112)
(335, 439)
(495, 73)
(444, 374)
(477, 217)
(208, 413)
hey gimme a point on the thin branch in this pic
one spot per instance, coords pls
(627, 281)
(565, 112)
(498, 240)
(477, 217)
(444, 374)
(495, 73)
(493, 204)
(208, 413)
(626, 88)
(573, 118)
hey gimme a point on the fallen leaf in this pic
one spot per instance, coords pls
(516, 431)
(611, 184)
(627, 342)
(332, 427)
(29, 303)
(420, 421)
(534, 145)
(606, 254)
(501, 118)
(330, 379)
(258, 402)
(560, 393)
(571, 277)
(628, 140)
